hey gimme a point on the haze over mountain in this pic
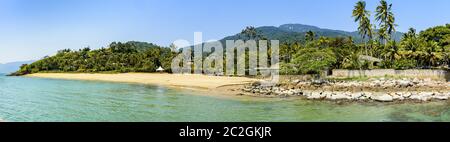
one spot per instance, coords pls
(296, 32)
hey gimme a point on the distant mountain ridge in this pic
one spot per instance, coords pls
(296, 32)
(13, 66)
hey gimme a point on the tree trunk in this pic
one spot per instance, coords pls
(365, 46)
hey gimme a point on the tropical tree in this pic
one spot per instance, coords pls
(309, 36)
(313, 60)
(352, 61)
(251, 32)
(386, 19)
(433, 53)
(391, 53)
(361, 16)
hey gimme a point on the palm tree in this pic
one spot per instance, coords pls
(391, 52)
(250, 32)
(433, 53)
(410, 41)
(361, 15)
(385, 16)
(309, 36)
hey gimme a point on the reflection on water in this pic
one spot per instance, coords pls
(32, 99)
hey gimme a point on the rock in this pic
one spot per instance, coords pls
(356, 96)
(397, 96)
(423, 96)
(406, 94)
(426, 95)
(415, 97)
(264, 92)
(277, 92)
(383, 98)
(440, 97)
(302, 84)
(257, 83)
(296, 81)
(315, 96)
(376, 83)
(404, 83)
(339, 96)
(307, 94)
(365, 96)
(388, 84)
(318, 82)
(290, 92)
(416, 81)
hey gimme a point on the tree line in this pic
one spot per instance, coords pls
(119, 57)
(425, 50)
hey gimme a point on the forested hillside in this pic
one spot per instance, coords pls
(118, 57)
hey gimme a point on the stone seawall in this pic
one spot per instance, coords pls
(382, 90)
(434, 74)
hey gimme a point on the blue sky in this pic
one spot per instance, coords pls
(31, 29)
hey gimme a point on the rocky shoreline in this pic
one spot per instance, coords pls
(380, 90)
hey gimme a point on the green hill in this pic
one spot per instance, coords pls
(296, 32)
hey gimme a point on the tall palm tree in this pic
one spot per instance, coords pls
(410, 41)
(251, 32)
(361, 15)
(433, 54)
(386, 19)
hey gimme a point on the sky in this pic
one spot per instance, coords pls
(32, 29)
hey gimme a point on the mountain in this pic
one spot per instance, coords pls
(12, 67)
(296, 32)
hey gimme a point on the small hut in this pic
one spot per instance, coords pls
(160, 69)
(372, 60)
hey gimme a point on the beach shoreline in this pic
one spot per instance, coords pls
(220, 85)
(243, 87)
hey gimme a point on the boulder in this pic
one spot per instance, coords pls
(415, 97)
(339, 96)
(290, 92)
(365, 96)
(406, 94)
(397, 96)
(315, 95)
(383, 98)
(426, 96)
(404, 83)
(440, 97)
(376, 83)
(423, 96)
(416, 81)
(296, 81)
(318, 82)
(356, 96)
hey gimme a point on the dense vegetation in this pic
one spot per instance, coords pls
(303, 49)
(291, 33)
(119, 57)
(426, 50)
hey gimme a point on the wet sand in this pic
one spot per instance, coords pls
(171, 80)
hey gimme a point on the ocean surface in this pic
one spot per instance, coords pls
(35, 100)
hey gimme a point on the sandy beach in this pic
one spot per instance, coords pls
(171, 80)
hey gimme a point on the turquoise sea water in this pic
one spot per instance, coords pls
(33, 99)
